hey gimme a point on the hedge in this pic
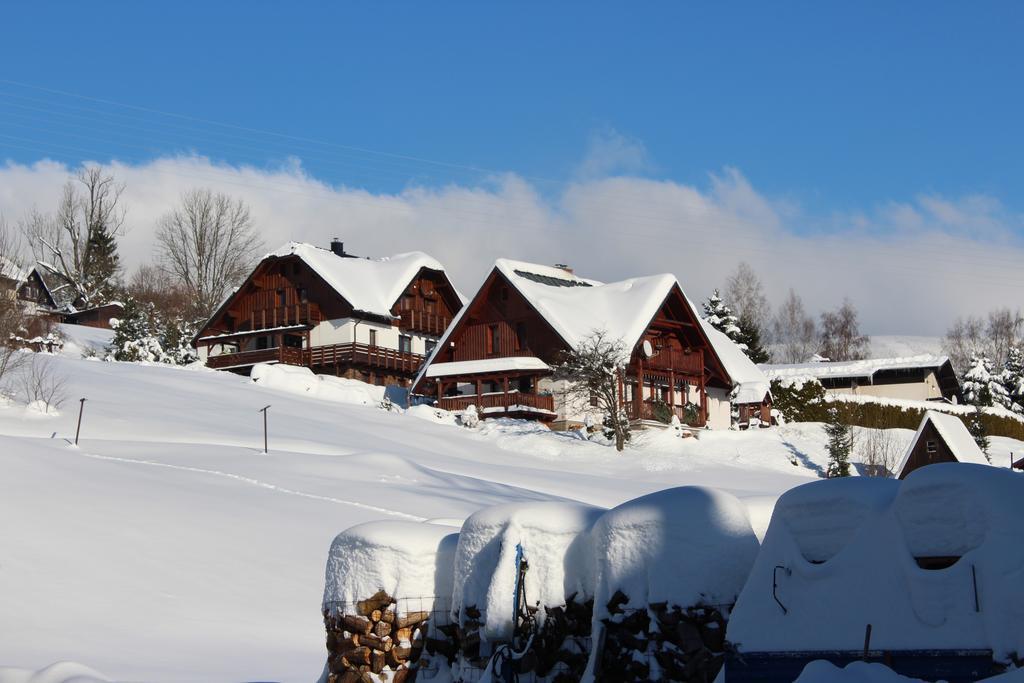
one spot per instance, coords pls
(808, 403)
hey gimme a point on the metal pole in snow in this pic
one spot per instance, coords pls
(264, 411)
(81, 408)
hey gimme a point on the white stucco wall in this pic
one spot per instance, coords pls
(348, 330)
(926, 390)
(719, 408)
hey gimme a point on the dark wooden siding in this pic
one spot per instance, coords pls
(919, 456)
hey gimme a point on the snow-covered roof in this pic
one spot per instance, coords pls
(10, 270)
(750, 384)
(576, 307)
(465, 367)
(853, 368)
(369, 285)
(954, 432)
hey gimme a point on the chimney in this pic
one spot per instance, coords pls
(338, 247)
(565, 267)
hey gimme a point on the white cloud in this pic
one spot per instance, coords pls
(911, 266)
(609, 152)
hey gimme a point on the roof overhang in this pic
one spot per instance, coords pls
(487, 366)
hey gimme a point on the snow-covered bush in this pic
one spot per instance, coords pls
(140, 334)
(982, 386)
(469, 417)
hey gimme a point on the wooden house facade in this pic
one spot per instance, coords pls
(499, 352)
(374, 320)
(940, 438)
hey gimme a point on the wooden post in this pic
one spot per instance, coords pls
(264, 411)
(81, 409)
(478, 392)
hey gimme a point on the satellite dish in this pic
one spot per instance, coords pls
(648, 349)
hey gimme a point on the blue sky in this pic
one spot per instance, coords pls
(838, 104)
(869, 150)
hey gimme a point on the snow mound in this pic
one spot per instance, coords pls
(300, 380)
(404, 559)
(555, 542)
(81, 340)
(61, 672)
(820, 671)
(40, 408)
(938, 566)
(683, 546)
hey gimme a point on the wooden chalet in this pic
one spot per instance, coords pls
(940, 438)
(498, 353)
(374, 320)
(50, 298)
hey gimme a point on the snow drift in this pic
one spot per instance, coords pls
(301, 380)
(854, 553)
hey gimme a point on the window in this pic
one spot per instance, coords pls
(405, 343)
(520, 336)
(492, 338)
(303, 297)
(373, 337)
(931, 447)
(429, 346)
(281, 298)
(261, 342)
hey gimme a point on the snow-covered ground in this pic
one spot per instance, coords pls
(168, 547)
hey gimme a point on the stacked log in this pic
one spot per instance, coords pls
(370, 641)
(661, 643)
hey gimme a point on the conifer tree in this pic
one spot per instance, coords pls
(977, 429)
(982, 386)
(134, 339)
(750, 341)
(1012, 379)
(102, 265)
(721, 317)
(840, 444)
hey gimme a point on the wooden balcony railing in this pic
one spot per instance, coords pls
(364, 354)
(646, 410)
(684, 363)
(512, 399)
(433, 324)
(284, 316)
(282, 354)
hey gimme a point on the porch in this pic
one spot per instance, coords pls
(244, 359)
(511, 404)
(318, 357)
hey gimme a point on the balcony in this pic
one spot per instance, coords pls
(647, 410)
(671, 360)
(284, 316)
(516, 403)
(364, 355)
(281, 354)
(432, 324)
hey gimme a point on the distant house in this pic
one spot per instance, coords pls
(499, 351)
(919, 378)
(51, 298)
(940, 438)
(369, 319)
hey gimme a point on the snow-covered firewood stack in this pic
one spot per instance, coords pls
(371, 637)
(553, 541)
(384, 583)
(668, 564)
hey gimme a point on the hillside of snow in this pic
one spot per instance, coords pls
(897, 346)
(168, 547)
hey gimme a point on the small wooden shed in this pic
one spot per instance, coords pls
(940, 438)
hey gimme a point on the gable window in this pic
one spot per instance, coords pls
(405, 343)
(281, 298)
(931, 447)
(492, 339)
(520, 336)
(303, 297)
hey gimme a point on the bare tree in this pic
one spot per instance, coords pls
(840, 334)
(991, 337)
(208, 245)
(12, 314)
(78, 241)
(963, 341)
(593, 373)
(41, 381)
(879, 452)
(795, 334)
(155, 286)
(746, 292)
